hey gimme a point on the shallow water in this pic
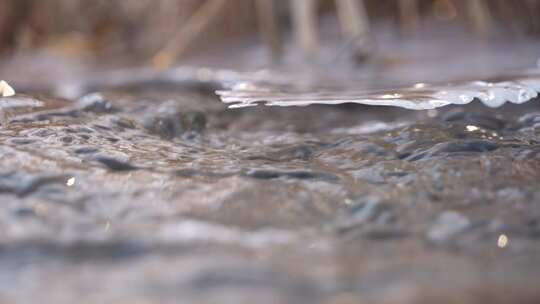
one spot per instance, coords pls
(153, 191)
(159, 195)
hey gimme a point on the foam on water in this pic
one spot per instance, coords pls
(517, 88)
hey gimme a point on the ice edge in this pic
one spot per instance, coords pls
(518, 89)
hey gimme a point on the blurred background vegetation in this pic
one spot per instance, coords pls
(136, 31)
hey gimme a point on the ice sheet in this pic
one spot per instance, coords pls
(517, 87)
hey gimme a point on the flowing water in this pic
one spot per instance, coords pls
(153, 191)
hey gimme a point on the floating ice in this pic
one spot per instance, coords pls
(14, 104)
(517, 88)
(245, 89)
(6, 90)
(7, 103)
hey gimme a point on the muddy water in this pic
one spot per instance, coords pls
(166, 196)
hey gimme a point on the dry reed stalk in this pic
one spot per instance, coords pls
(269, 27)
(353, 18)
(304, 13)
(479, 16)
(200, 21)
(408, 15)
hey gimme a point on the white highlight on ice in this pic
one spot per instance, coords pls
(6, 90)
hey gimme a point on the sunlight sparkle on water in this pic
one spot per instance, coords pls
(502, 242)
(472, 128)
(70, 182)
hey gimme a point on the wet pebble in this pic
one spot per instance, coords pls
(293, 174)
(82, 130)
(367, 210)
(408, 148)
(77, 251)
(465, 146)
(189, 173)
(194, 121)
(112, 139)
(67, 139)
(86, 150)
(381, 233)
(101, 127)
(95, 103)
(50, 116)
(458, 146)
(448, 225)
(464, 116)
(22, 184)
(511, 194)
(530, 120)
(373, 175)
(164, 126)
(533, 225)
(24, 212)
(176, 125)
(21, 141)
(41, 132)
(303, 152)
(114, 164)
(124, 123)
(371, 149)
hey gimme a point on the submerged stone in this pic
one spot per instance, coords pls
(459, 146)
(95, 103)
(292, 174)
(176, 124)
(115, 164)
(23, 184)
